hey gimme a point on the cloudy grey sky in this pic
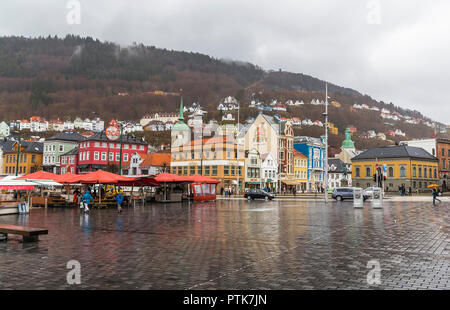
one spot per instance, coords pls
(393, 50)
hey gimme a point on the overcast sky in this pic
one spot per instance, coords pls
(395, 51)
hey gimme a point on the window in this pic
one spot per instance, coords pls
(96, 155)
(61, 148)
(414, 172)
(185, 170)
(368, 172)
(233, 170)
(226, 170)
(54, 147)
(104, 144)
(111, 156)
(391, 172)
(435, 173)
(214, 170)
(134, 147)
(420, 174)
(443, 152)
(192, 170)
(126, 146)
(125, 157)
(117, 156)
(174, 170)
(402, 171)
(425, 172)
(430, 175)
(141, 147)
(207, 170)
(97, 144)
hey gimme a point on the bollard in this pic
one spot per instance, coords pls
(358, 198)
(377, 201)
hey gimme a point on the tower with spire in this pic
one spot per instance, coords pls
(181, 133)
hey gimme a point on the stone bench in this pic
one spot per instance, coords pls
(29, 234)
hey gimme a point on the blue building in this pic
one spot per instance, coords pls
(314, 149)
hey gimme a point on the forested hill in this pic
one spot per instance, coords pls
(74, 76)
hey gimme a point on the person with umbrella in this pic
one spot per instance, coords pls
(434, 193)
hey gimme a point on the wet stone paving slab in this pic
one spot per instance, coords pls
(233, 244)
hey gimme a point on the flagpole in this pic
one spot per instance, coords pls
(326, 144)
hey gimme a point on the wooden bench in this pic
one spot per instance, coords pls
(29, 234)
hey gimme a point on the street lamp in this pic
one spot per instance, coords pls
(325, 179)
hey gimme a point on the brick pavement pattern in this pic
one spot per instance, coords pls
(233, 244)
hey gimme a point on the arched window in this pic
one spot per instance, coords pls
(391, 172)
(403, 172)
(368, 174)
(414, 172)
(357, 172)
(435, 173)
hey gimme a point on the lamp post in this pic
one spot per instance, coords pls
(18, 155)
(121, 146)
(237, 153)
(325, 179)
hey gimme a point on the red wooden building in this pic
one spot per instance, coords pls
(98, 152)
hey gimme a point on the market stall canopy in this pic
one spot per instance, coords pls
(171, 178)
(68, 178)
(139, 181)
(16, 184)
(39, 175)
(433, 185)
(202, 179)
(101, 177)
(47, 183)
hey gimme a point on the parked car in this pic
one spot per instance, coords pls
(252, 194)
(342, 193)
(369, 191)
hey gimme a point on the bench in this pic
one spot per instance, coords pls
(29, 234)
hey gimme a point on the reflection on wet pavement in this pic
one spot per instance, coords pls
(233, 244)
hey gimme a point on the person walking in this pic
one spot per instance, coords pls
(76, 195)
(119, 199)
(435, 193)
(86, 199)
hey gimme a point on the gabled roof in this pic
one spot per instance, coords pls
(399, 151)
(100, 136)
(67, 136)
(33, 147)
(337, 163)
(299, 154)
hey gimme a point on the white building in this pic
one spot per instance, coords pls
(5, 130)
(428, 145)
(98, 125)
(269, 168)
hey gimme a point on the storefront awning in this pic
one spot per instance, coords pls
(254, 182)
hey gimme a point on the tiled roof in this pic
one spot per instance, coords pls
(72, 152)
(400, 151)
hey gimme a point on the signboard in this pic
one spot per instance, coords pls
(112, 133)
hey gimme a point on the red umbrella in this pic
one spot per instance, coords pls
(68, 178)
(202, 179)
(101, 177)
(39, 175)
(170, 178)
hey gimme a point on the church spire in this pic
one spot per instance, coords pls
(181, 117)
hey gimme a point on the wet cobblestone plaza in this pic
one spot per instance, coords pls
(233, 244)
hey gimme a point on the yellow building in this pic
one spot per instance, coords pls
(215, 157)
(409, 166)
(30, 158)
(300, 170)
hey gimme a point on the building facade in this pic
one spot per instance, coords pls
(314, 149)
(56, 146)
(98, 152)
(147, 164)
(402, 165)
(30, 158)
(300, 171)
(69, 161)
